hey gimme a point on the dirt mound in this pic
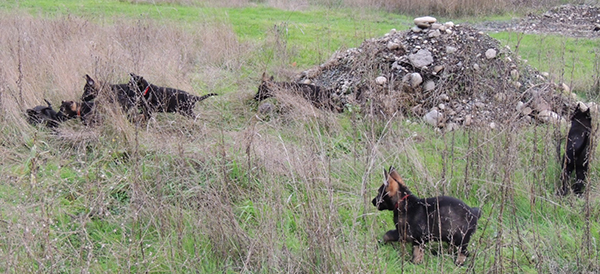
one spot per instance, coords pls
(448, 74)
(569, 20)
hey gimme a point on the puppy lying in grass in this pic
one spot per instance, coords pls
(163, 99)
(419, 220)
(44, 115)
(318, 96)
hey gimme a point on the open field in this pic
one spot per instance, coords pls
(236, 191)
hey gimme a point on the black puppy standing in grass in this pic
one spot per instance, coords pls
(419, 220)
(122, 93)
(577, 151)
(163, 99)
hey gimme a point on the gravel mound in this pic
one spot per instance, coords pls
(449, 75)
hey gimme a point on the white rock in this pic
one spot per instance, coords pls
(451, 126)
(425, 21)
(393, 45)
(444, 97)
(451, 49)
(518, 84)
(429, 85)
(415, 79)
(582, 106)
(565, 88)
(380, 80)
(514, 74)
(468, 119)
(493, 125)
(520, 106)
(449, 24)
(433, 117)
(415, 29)
(421, 59)
(490, 53)
(434, 33)
(593, 107)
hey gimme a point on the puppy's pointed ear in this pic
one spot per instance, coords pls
(89, 79)
(391, 185)
(265, 77)
(396, 177)
(385, 177)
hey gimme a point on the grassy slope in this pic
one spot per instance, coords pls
(182, 195)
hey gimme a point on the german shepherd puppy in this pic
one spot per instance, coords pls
(318, 96)
(81, 110)
(125, 96)
(164, 99)
(577, 152)
(44, 115)
(419, 220)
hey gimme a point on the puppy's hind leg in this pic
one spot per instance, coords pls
(391, 236)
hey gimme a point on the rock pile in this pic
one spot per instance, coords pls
(449, 75)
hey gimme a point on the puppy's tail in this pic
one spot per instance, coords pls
(476, 211)
(200, 98)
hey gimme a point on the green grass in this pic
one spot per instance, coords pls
(312, 34)
(569, 60)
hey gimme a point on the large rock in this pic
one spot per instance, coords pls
(425, 21)
(433, 117)
(421, 59)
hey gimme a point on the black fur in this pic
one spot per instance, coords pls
(125, 96)
(419, 220)
(164, 99)
(44, 115)
(318, 96)
(577, 152)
